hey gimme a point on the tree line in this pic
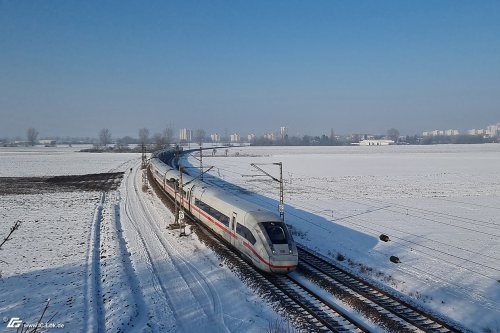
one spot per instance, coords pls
(166, 137)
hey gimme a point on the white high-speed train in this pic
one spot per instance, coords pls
(256, 233)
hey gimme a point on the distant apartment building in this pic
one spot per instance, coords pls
(215, 137)
(251, 137)
(235, 137)
(476, 132)
(269, 136)
(493, 130)
(490, 131)
(185, 134)
(283, 132)
(449, 132)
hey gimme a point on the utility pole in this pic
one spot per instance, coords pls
(176, 217)
(281, 206)
(177, 153)
(179, 210)
(201, 163)
(144, 166)
(144, 157)
(180, 215)
(282, 194)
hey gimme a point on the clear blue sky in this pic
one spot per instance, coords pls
(73, 67)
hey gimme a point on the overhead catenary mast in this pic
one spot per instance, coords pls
(281, 206)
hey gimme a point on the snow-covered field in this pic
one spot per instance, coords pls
(107, 262)
(439, 205)
(56, 161)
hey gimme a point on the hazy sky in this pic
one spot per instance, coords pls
(73, 67)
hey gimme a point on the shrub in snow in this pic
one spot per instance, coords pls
(395, 259)
(384, 238)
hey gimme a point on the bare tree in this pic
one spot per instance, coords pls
(393, 134)
(16, 226)
(104, 137)
(168, 133)
(32, 135)
(199, 136)
(159, 141)
(143, 136)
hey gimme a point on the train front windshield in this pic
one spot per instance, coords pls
(276, 232)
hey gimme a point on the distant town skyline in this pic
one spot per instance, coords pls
(72, 68)
(281, 134)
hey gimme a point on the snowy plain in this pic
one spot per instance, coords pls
(107, 262)
(41, 161)
(439, 205)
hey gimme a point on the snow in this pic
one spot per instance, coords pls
(56, 161)
(107, 261)
(438, 204)
(46, 257)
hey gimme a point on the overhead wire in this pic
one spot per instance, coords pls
(405, 240)
(385, 254)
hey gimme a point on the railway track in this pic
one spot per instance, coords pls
(310, 311)
(397, 314)
(328, 315)
(306, 310)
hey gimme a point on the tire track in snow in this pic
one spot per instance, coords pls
(193, 299)
(139, 319)
(141, 242)
(193, 276)
(93, 317)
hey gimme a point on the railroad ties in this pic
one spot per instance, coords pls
(309, 311)
(324, 316)
(305, 309)
(393, 311)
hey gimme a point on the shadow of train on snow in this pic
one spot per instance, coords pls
(314, 231)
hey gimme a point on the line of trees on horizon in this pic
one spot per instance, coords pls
(166, 137)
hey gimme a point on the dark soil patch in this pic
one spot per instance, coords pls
(34, 185)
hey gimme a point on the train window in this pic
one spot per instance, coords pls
(212, 212)
(275, 231)
(245, 233)
(225, 220)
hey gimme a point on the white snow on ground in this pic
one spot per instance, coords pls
(113, 265)
(439, 205)
(183, 278)
(58, 161)
(46, 257)
(107, 261)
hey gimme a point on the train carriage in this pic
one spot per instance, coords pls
(256, 233)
